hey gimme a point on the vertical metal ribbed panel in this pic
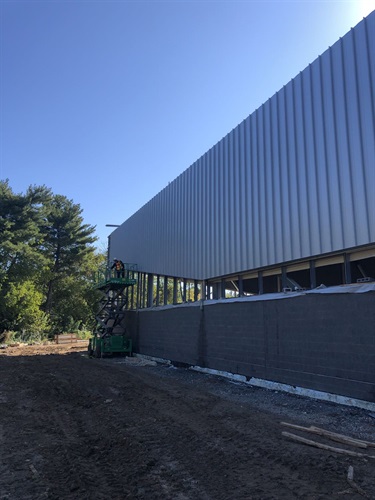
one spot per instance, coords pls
(295, 179)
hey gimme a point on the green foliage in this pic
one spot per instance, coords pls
(22, 304)
(84, 334)
(20, 231)
(7, 337)
(184, 292)
(47, 259)
(11, 337)
(67, 245)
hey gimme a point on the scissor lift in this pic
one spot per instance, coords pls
(109, 336)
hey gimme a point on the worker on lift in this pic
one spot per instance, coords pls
(119, 267)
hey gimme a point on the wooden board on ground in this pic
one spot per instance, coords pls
(66, 338)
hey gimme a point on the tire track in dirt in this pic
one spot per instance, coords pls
(224, 445)
(97, 429)
(71, 443)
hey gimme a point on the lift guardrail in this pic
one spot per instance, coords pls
(105, 276)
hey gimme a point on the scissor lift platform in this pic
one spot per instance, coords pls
(109, 336)
(106, 277)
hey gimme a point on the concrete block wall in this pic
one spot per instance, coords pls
(170, 334)
(320, 342)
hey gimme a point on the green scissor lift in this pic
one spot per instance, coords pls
(109, 336)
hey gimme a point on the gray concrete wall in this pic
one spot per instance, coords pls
(320, 342)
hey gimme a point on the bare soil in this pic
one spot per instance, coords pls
(78, 428)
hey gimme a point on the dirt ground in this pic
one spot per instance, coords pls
(78, 428)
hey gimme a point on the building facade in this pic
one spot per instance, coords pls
(285, 200)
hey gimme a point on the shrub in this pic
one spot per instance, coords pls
(8, 337)
(84, 334)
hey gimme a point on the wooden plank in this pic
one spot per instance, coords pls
(334, 436)
(66, 338)
(310, 442)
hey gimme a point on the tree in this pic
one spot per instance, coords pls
(21, 307)
(47, 258)
(75, 300)
(20, 232)
(21, 261)
(67, 243)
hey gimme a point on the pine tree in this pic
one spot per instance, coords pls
(67, 243)
(20, 231)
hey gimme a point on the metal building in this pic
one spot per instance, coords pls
(287, 197)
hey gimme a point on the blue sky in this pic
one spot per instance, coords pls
(106, 102)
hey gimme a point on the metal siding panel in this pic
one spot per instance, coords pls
(182, 222)
(186, 215)
(342, 142)
(188, 223)
(268, 183)
(365, 58)
(202, 247)
(180, 211)
(203, 214)
(292, 172)
(159, 228)
(230, 211)
(235, 198)
(194, 218)
(276, 185)
(334, 183)
(214, 212)
(152, 230)
(297, 202)
(242, 206)
(177, 227)
(284, 175)
(171, 230)
(213, 258)
(195, 212)
(160, 216)
(212, 219)
(355, 141)
(247, 194)
(216, 188)
(166, 224)
(302, 198)
(262, 207)
(320, 158)
(185, 222)
(220, 240)
(184, 235)
(238, 198)
(314, 209)
(171, 244)
(209, 214)
(195, 248)
(255, 191)
(225, 222)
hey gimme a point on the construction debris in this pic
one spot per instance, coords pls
(310, 442)
(340, 438)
